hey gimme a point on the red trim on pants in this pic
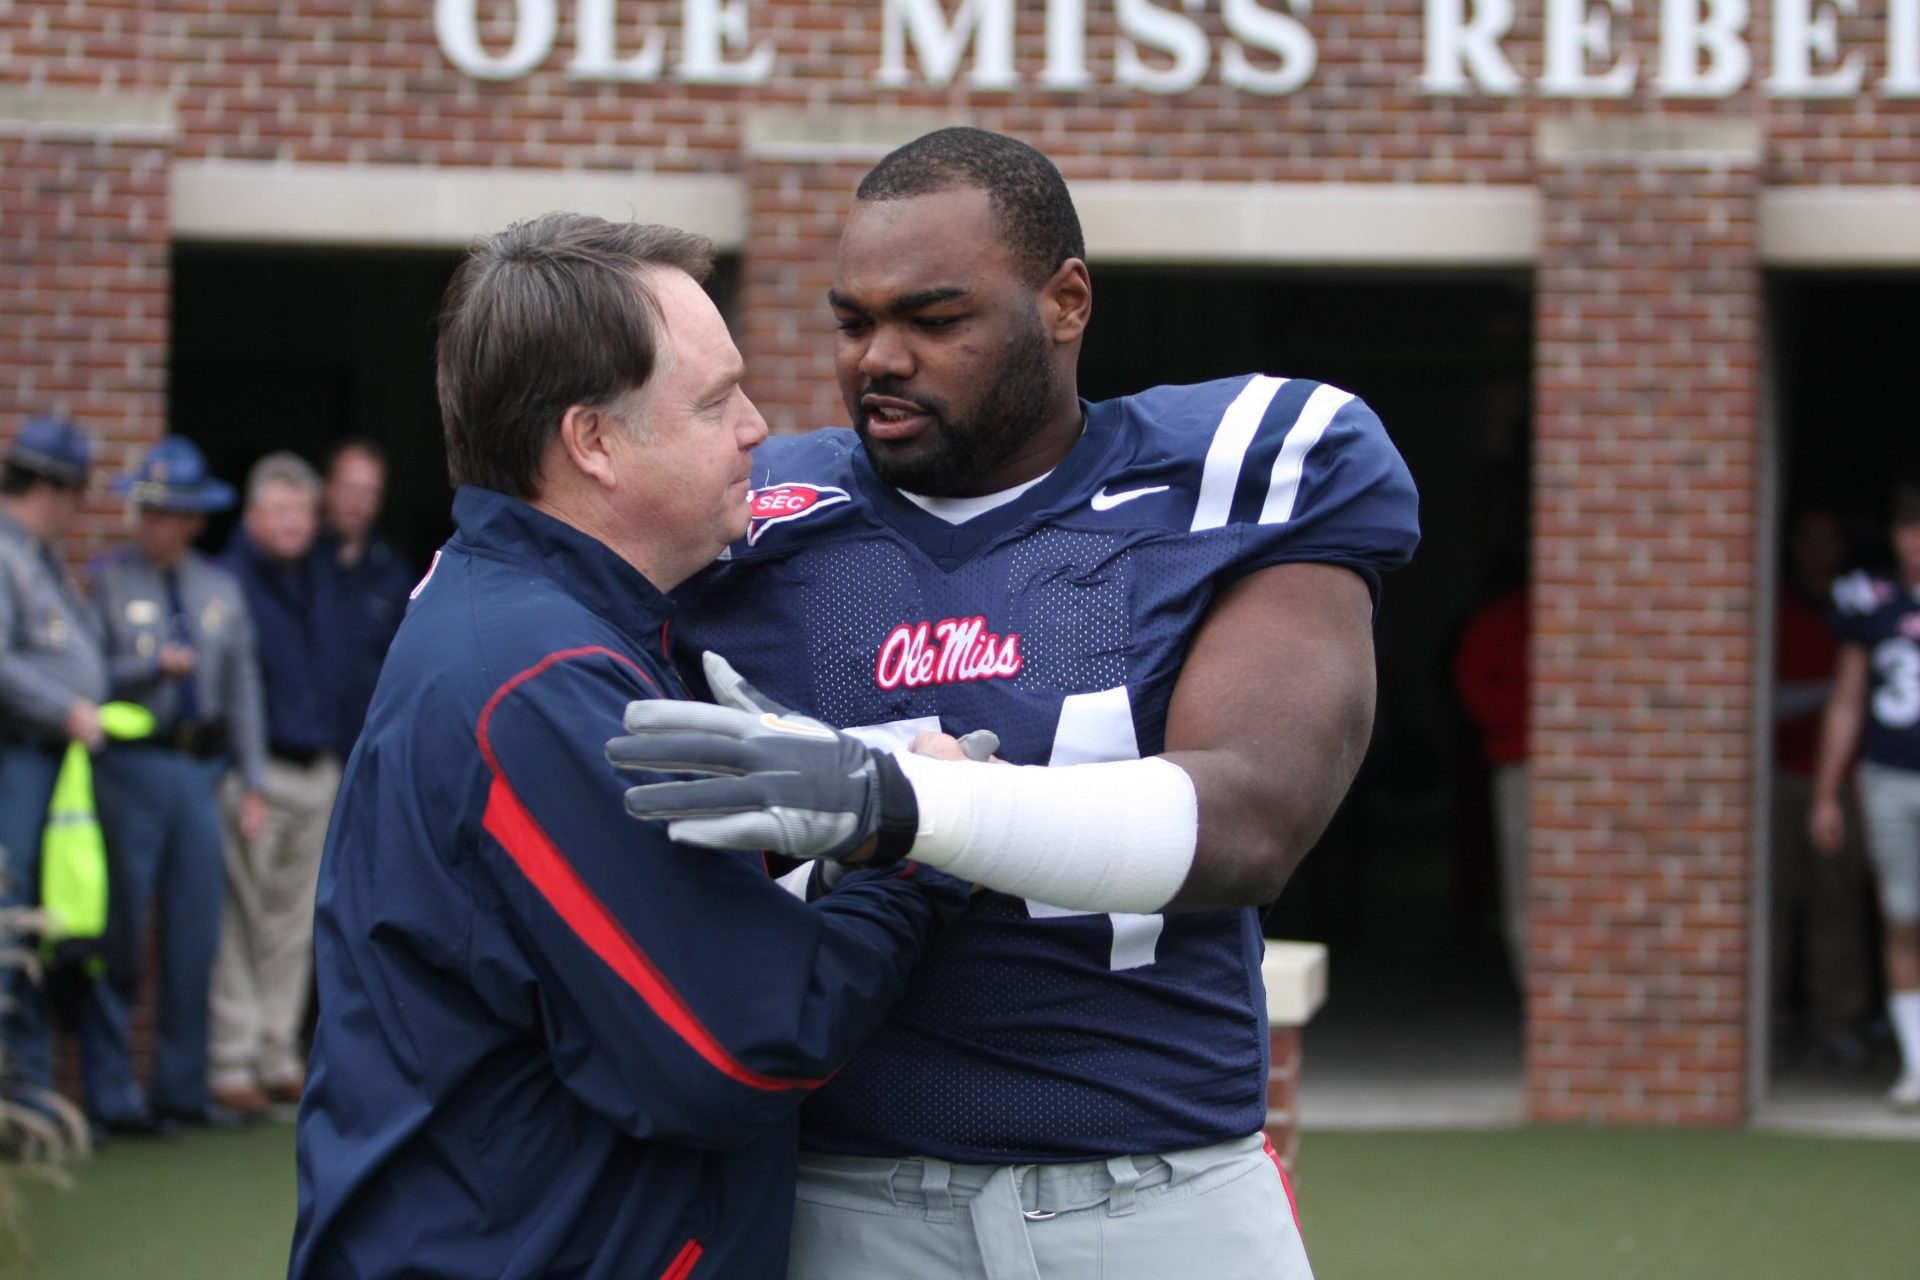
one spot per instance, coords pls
(1285, 1182)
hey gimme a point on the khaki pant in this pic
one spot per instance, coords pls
(1819, 914)
(1218, 1213)
(265, 963)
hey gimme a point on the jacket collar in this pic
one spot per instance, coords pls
(494, 525)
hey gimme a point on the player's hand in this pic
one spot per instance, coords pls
(978, 746)
(1827, 826)
(776, 779)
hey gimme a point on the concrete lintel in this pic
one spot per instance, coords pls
(88, 113)
(1310, 224)
(1296, 978)
(1652, 139)
(1840, 226)
(376, 205)
(838, 134)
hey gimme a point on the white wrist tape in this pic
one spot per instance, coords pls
(1117, 836)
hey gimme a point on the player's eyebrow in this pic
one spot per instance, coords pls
(903, 304)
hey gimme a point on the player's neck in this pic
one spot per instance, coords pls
(1035, 457)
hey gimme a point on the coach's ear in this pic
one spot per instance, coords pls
(586, 441)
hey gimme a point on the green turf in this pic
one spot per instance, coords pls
(1563, 1204)
(1552, 1204)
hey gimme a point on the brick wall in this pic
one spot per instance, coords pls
(1647, 342)
(1647, 306)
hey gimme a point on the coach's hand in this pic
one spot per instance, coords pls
(778, 780)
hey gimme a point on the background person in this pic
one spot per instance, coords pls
(53, 677)
(1490, 672)
(1822, 970)
(264, 966)
(1875, 711)
(370, 582)
(179, 641)
(550, 1042)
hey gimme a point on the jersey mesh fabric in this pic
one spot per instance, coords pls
(1028, 1034)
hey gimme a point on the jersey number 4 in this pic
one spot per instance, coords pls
(1093, 728)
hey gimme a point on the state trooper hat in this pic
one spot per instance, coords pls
(54, 448)
(173, 477)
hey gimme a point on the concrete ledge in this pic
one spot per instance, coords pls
(1295, 974)
(1317, 224)
(1840, 226)
(1655, 139)
(371, 205)
(845, 134)
(88, 113)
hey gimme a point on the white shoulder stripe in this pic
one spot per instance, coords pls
(1228, 451)
(1292, 462)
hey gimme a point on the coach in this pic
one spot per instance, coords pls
(551, 1042)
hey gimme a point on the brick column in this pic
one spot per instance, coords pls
(1645, 626)
(84, 275)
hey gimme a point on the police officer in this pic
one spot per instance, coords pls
(53, 677)
(179, 641)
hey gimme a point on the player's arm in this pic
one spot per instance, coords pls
(1270, 720)
(1268, 724)
(1839, 738)
(686, 996)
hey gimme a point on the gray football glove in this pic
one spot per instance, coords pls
(777, 780)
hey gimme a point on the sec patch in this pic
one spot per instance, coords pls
(777, 504)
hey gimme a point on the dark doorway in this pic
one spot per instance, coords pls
(301, 348)
(1404, 887)
(1845, 435)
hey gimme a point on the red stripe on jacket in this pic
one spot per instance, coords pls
(542, 862)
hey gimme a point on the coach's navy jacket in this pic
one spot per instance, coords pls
(551, 1042)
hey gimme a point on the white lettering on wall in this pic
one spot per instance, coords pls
(1702, 50)
(1279, 34)
(1903, 50)
(456, 25)
(595, 55)
(1162, 46)
(1800, 36)
(1171, 33)
(710, 28)
(1066, 46)
(939, 45)
(1463, 50)
(1579, 34)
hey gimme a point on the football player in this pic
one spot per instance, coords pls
(1163, 605)
(1875, 710)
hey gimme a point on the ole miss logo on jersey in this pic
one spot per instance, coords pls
(951, 651)
(780, 503)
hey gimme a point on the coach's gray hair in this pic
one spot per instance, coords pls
(282, 467)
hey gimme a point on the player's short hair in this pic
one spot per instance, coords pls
(1905, 508)
(1026, 190)
(548, 314)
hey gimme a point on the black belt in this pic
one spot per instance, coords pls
(300, 757)
(206, 739)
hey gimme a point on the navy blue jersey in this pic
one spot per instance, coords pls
(1060, 621)
(1882, 616)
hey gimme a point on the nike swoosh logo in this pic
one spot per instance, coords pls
(1104, 501)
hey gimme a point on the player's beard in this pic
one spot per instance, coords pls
(948, 458)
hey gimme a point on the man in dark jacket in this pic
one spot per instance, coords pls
(263, 971)
(370, 580)
(552, 1043)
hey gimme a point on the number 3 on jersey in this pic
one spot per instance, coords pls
(1096, 727)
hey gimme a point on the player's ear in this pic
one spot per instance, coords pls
(1066, 302)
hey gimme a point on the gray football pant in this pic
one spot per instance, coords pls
(1222, 1212)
